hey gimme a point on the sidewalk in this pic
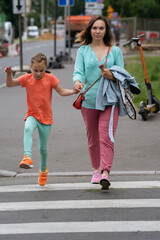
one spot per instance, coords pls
(136, 145)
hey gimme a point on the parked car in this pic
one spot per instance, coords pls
(33, 31)
(59, 30)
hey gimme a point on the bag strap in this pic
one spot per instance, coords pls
(107, 57)
(100, 76)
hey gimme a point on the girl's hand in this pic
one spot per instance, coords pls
(9, 81)
(8, 70)
(78, 86)
(76, 91)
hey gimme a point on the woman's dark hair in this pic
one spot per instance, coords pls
(85, 38)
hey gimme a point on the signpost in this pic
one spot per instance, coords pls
(67, 3)
(19, 7)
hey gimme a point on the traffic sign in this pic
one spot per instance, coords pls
(64, 3)
(93, 8)
(19, 6)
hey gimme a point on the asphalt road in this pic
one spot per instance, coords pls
(29, 49)
(136, 147)
(137, 142)
(69, 207)
(72, 208)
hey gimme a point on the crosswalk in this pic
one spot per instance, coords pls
(73, 207)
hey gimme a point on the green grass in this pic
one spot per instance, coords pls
(135, 68)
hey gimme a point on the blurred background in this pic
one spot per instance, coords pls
(127, 18)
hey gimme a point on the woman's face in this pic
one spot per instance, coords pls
(98, 30)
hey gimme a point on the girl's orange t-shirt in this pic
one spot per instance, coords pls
(39, 96)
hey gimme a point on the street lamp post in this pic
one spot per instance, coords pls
(20, 40)
(55, 21)
(69, 31)
(42, 15)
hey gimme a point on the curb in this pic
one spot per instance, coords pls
(3, 85)
(4, 173)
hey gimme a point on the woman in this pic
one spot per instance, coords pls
(96, 40)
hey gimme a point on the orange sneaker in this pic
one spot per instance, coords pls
(26, 163)
(43, 177)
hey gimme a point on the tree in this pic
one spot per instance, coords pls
(135, 8)
(7, 9)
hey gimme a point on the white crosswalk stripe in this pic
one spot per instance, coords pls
(66, 227)
(79, 186)
(80, 204)
(91, 226)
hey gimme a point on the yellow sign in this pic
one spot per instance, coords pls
(110, 9)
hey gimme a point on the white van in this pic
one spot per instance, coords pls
(33, 31)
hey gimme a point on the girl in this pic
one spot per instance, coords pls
(39, 86)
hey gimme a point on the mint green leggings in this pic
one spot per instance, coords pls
(44, 130)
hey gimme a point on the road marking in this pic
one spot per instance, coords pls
(77, 174)
(89, 173)
(3, 85)
(74, 227)
(80, 204)
(78, 186)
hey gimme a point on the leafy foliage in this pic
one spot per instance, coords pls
(8, 11)
(135, 8)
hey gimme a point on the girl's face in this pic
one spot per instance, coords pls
(98, 30)
(38, 70)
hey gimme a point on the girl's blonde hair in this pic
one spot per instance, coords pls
(39, 57)
(85, 38)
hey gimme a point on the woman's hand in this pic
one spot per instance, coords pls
(106, 73)
(78, 86)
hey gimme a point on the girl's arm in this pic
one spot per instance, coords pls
(9, 81)
(65, 92)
